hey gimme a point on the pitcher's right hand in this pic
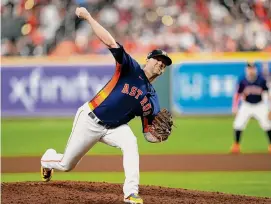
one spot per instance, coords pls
(82, 12)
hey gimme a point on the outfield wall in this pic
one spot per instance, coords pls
(206, 87)
(49, 86)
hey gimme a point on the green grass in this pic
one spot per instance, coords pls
(192, 135)
(244, 183)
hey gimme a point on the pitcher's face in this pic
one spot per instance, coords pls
(156, 66)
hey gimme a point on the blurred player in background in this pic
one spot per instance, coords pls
(252, 88)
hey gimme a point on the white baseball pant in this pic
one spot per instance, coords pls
(247, 110)
(84, 135)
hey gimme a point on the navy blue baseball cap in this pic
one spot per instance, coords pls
(160, 53)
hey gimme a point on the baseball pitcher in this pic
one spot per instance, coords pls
(252, 88)
(104, 118)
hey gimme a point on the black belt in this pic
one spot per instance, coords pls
(97, 120)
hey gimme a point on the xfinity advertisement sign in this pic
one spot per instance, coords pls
(50, 90)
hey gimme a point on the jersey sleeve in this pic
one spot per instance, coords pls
(146, 122)
(123, 58)
(147, 119)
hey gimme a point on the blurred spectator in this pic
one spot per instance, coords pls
(49, 27)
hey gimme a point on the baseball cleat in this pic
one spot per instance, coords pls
(46, 174)
(235, 149)
(133, 199)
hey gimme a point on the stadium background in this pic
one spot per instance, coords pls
(52, 63)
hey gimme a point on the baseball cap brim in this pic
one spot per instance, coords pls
(167, 59)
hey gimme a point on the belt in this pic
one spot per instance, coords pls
(97, 120)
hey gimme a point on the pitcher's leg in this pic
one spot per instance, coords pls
(81, 140)
(131, 166)
(123, 138)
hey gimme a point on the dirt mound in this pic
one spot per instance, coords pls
(105, 193)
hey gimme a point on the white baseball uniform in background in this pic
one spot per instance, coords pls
(253, 104)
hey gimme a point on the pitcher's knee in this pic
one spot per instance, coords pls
(131, 143)
(67, 167)
(130, 148)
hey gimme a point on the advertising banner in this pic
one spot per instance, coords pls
(206, 87)
(50, 90)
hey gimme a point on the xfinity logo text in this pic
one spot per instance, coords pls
(38, 87)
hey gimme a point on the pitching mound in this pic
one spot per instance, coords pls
(105, 193)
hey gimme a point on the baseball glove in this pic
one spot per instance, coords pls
(161, 125)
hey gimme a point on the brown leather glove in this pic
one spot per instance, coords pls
(162, 125)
